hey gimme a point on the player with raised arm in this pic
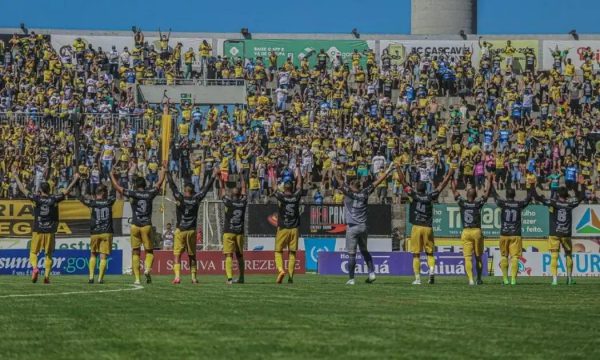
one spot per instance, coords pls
(101, 230)
(511, 242)
(471, 236)
(45, 223)
(560, 211)
(421, 218)
(288, 223)
(187, 219)
(141, 222)
(233, 233)
(356, 200)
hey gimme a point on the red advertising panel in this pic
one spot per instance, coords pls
(213, 262)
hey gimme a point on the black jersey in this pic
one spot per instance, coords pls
(560, 213)
(187, 206)
(470, 212)
(45, 212)
(421, 207)
(289, 209)
(235, 214)
(101, 221)
(141, 205)
(510, 216)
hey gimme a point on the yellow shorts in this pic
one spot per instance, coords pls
(185, 241)
(421, 239)
(287, 238)
(101, 243)
(233, 243)
(42, 241)
(472, 240)
(511, 245)
(555, 242)
(141, 236)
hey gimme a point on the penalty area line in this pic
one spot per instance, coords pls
(132, 288)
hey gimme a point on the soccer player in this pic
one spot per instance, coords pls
(187, 217)
(45, 223)
(288, 223)
(356, 200)
(421, 218)
(471, 236)
(233, 234)
(101, 230)
(141, 222)
(560, 211)
(511, 242)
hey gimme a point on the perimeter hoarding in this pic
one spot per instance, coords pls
(447, 221)
(398, 50)
(318, 220)
(213, 263)
(64, 262)
(16, 218)
(538, 264)
(586, 221)
(294, 49)
(394, 263)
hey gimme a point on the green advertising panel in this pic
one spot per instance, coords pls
(447, 221)
(296, 49)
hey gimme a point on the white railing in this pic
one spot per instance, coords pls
(195, 82)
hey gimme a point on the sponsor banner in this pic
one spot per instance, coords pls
(586, 221)
(447, 221)
(61, 42)
(268, 243)
(318, 220)
(16, 218)
(314, 246)
(538, 264)
(122, 243)
(394, 263)
(213, 263)
(398, 50)
(294, 49)
(571, 49)
(519, 56)
(64, 262)
(529, 245)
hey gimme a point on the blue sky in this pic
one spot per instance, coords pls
(309, 16)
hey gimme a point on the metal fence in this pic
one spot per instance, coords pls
(195, 82)
(67, 122)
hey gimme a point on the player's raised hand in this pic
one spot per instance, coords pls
(76, 177)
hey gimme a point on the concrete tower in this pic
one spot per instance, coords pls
(430, 17)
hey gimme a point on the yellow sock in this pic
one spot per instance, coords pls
(241, 265)
(504, 268)
(279, 261)
(292, 263)
(194, 271)
(569, 264)
(148, 263)
(514, 268)
(48, 266)
(33, 259)
(554, 263)
(92, 266)
(177, 269)
(431, 263)
(229, 266)
(469, 267)
(417, 266)
(102, 269)
(135, 265)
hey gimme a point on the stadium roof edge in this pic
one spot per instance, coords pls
(324, 36)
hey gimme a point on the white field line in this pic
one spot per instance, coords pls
(132, 288)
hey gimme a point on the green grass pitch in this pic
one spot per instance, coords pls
(315, 318)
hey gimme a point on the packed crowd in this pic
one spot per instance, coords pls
(428, 114)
